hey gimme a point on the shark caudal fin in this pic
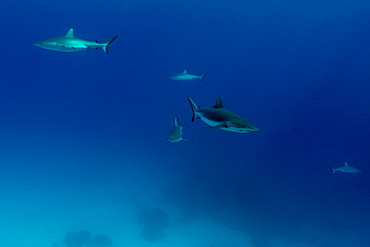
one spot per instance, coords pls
(332, 168)
(107, 43)
(194, 108)
(202, 76)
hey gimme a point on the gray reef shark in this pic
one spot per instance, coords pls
(185, 76)
(220, 118)
(176, 132)
(69, 43)
(346, 169)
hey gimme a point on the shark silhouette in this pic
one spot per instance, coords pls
(175, 134)
(185, 76)
(220, 118)
(69, 43)
(346, 169)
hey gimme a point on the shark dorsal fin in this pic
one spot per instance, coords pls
(178, 121)
(70, 33)
(185, 72)
(218, 103)
(345, 164)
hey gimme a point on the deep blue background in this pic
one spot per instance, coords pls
(299, 70)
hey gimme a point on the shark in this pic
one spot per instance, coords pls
(346, 169)
(69, 43)
(175, 134)
(185, 76)
(220, 118)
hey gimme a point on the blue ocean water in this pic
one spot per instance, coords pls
(80, 132)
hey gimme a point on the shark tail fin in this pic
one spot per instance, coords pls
(107, 43)
(202, 76)
(194, 108)
(332, 168)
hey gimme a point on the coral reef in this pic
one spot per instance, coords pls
(84, 238)
(78, 239)
(101, 240)
(155, 221)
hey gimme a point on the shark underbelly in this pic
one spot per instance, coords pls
(225, 125)
(212, 122)
(183, 78)
(67, 48)
(233, 124)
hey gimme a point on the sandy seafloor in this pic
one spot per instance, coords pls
(39, 213)
(37, 227)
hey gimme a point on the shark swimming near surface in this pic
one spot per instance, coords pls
(346, 169)
(175, 134)
(69, 43)
(220, 118)
(185, 76)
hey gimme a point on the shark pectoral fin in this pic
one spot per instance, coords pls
(162, 139)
